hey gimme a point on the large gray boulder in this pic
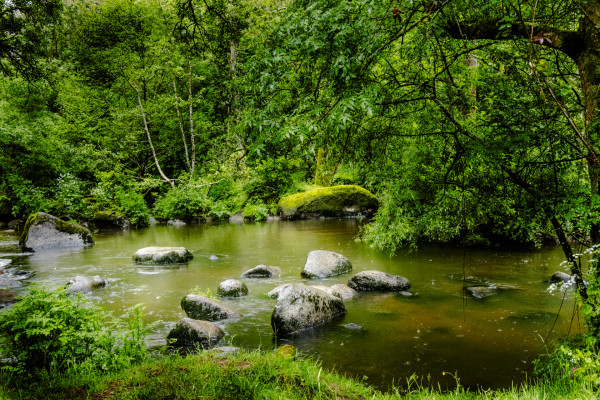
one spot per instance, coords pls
(191, 332)
(200, 307)
(334, 201)
(232, 288)
(340, 290)
(162, 255)
(481, 291)
(300, 307)
(84, 284)
(274, 294)
(44, 231)
(322, 264)
(262, 271)
(378, 280)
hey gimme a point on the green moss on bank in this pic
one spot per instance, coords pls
(328, 201)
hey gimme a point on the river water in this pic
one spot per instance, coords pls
(437, 333)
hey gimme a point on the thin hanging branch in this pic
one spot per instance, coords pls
(190, 100)
(187, 155)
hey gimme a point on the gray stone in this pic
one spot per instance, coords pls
(9, 282)
(4, 262)
(84, 284)
(191, 332)
(43, 231)
(300, 307)
(232, 288)
(378, 280)
(481, 291)
(342, 291)
(353, 326)
(323, 263)
(200, 307)
(274, 294)
(262, 271)
(560, 276)
(162, 255)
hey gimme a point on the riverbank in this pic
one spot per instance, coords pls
(257, 375)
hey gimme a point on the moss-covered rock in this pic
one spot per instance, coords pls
(162, 255)
(232, 288)
(44, 231)
(335, 201)
(190, 332)
(111, 220)
(379, 281)
(322, 264)
(262, 271)
(203, 308)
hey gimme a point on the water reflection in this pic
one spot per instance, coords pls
(489, 341)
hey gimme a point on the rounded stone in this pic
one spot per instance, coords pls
(262, 271)
(322, 264)
(83, 284)
(378, 280)
(191, 332)
(162, 255)
(43, 231)
(203, 308)
(232, 288)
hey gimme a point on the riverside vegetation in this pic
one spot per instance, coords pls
(474, 123)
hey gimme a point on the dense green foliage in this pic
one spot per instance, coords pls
(49, 332)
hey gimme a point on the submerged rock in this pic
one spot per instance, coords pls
(481, 291)
(262, 271)
(83, 284)
(378, 280)
(322, 264)
(162, 255)
(560, 276)
(43, 231)
(191, 332)
(111, 220)
(300, 307)
(232, 288)
(335, 201)
(203, 308)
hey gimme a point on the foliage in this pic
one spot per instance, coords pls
(255, 212)
(187, 202)
(69, 197)
(134, 206)
(197, 290)
(49, 332)
(270, 179)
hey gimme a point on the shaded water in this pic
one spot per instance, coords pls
(489, 342)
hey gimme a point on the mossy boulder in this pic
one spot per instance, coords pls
(378, 280)
(203, 308)
(232, 288)
(322, 264)
(111, 220)
(43, 231)
(300, 307)
(190, 333)
(262, 271)
(335, 201)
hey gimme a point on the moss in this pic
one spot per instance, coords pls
(328, 201)
(59, 224)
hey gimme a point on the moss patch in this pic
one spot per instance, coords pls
(332, 201)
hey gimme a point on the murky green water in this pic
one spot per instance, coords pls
(488, 342)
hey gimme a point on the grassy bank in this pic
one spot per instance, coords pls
(253, 375)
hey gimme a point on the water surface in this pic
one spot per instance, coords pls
(485, 342)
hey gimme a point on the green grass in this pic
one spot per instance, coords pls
(254, 375)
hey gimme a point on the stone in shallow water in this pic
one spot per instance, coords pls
(378, 280)
(200, 307)
(44, 231)
(232, 288)
(322, 264)
(262, 271)
(83, 284)
(481, 291)
(191, 332)
(162, 255)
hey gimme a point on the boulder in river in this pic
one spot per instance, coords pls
(111, 220)
(232, 288)
(43, 231)
(203, 308)
(481, 291)
(322, 264)
(378, 280)
(340, 290)
(84, 284)
(334, 201)
(191, 332)
(262, 271)
(274, 294)
(7, 297)
(300, 307)
(560, 276)
(162, 255)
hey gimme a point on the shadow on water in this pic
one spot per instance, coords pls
(443, 328)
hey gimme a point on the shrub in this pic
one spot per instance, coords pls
(270, 180)
(186, 202)
(69, 197)
(256, 212)
(134, 206)
(49, 332)
(219, 211)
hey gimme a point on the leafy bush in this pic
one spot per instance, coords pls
(134, 206)
(219, 211)
(69, 197)
(186, 202)
(270, 180)
(256, 212)
(49, 332)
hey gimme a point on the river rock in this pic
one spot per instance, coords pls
(43, 231)
(15, 224)
(340, 290)
(300, 307)
(7, 297)
(335, 201)
(84, 284)
(232, 288)
(560, 276)
(200, 307)
(262, 271)
(378, 280)
(192, 332)
(4, 262)
(274, 294)
(111, 220)
(162, 255)
(322, 264)
(481, 291)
